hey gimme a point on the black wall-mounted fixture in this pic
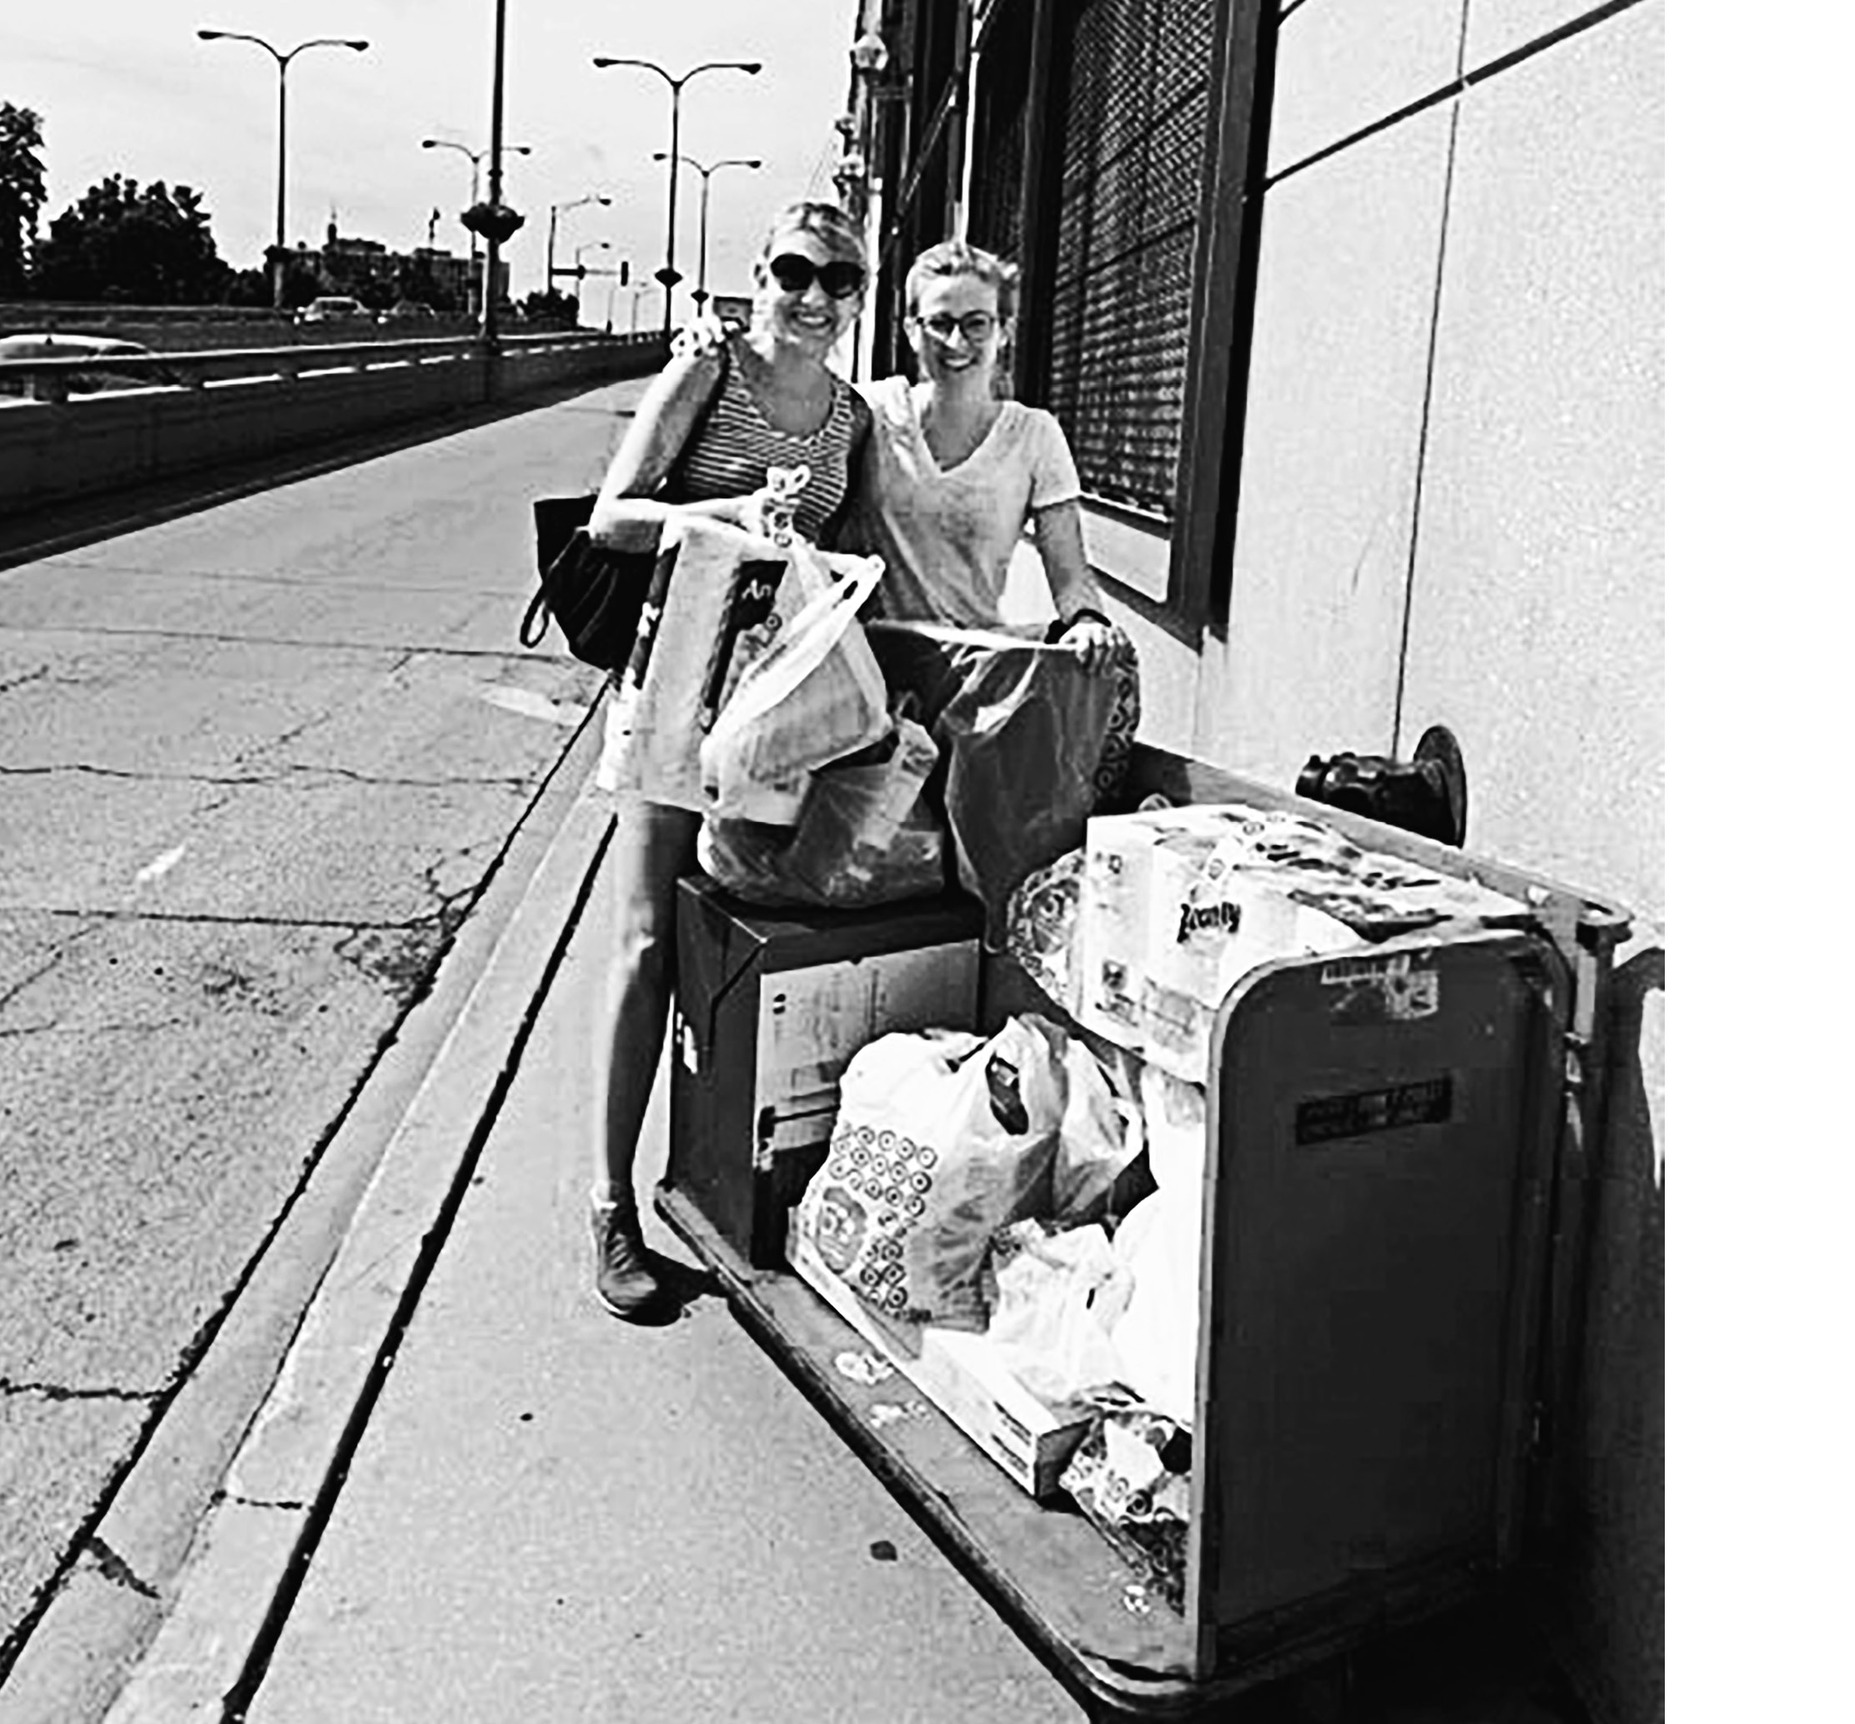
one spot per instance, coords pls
(1427, 794)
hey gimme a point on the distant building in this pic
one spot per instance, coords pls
(366, 269)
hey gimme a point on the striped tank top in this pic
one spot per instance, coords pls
(735, 446)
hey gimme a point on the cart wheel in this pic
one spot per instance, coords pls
(1438, 747)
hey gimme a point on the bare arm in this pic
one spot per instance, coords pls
(1073, 587)
(665, 419)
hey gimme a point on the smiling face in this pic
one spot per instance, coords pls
(956, 330)
(807, 316)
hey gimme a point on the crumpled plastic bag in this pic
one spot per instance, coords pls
(1023, 727)
(1102, 1130)
(1053, 1297)
(1159, 1243)
(941, 1140)
(866, 834)
(1131, 1475)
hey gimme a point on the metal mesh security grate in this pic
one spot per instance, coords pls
(1134, 141)
(995, 218)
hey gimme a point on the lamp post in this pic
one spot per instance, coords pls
(668, 275)
(476, 162)
(700, 296)
(283, 57)
(553, 217)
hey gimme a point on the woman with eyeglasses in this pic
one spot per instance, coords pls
(952, 474)
(716, 418)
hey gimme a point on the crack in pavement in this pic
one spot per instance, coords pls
(243, 577)
(40, 675)
(53, 959)
(63, 1392)
(515, 655)
(348, 924)
(113, 1568)
(127, 1027)
(294, 770)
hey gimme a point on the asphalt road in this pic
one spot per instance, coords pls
(257, 761)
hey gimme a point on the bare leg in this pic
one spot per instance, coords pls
(652, 847)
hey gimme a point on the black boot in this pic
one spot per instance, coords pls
(626, 1284)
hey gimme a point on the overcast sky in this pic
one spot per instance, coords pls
(125, 86)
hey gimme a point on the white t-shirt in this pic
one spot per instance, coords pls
(947, 536)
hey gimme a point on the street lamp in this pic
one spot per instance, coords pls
(476, 162)
(553, 216)
(283, 59)
(700, 296)
(667, 275)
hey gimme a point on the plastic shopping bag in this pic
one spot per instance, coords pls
(1023, 727)
(866, 835)
(1053, 1296)
(1159, 1243)
(1132, 1476)
(718, 598)
(814, 696)
(941, 1140)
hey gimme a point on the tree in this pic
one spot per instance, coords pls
(134, 246)
(552, 306)
(22, 193)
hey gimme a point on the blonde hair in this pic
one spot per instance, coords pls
(833, 225)
(954, 257)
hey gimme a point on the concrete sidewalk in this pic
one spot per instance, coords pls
(555, 1516)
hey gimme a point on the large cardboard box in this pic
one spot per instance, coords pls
(963, 1375)
(770, 1005)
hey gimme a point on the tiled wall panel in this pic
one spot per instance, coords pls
(1497, 27)
(1341, 64)
(1537, 610)
(1346, 289)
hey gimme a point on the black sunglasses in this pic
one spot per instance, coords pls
(795, 274)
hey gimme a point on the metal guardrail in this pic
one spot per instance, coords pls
(49, 380)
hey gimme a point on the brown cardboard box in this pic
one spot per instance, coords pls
(770, 1005)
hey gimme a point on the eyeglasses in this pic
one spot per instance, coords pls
(976, 326)
(839, 279)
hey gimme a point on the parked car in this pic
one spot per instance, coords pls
(51, 345)
(54, 344)
(334, 308)
(408, 311)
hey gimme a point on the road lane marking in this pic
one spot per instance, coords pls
(160, 865)
(520, 700)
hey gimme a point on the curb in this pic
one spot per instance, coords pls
(207, 1632)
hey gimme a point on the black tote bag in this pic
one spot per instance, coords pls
(593, 591)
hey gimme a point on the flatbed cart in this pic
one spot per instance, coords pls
(1389, 1258)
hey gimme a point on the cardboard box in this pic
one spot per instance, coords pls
(770, 1005)
(963, 1376)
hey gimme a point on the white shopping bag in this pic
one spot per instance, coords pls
(815, 695)
(719, 599)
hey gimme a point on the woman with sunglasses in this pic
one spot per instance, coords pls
(707, 430)
(953, 474)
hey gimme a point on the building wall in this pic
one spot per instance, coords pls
(1450, 512)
